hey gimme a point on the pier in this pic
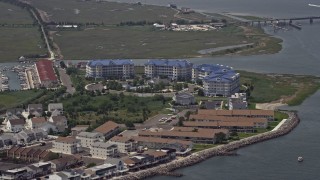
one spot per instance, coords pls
(221, 150)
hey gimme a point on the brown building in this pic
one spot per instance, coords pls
(28, 154)
(268, 114)
(108, 129)
(196, 135)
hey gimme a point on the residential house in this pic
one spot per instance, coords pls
(196, 135)
(65, 162)
(65, 175)
(7, 140)
(27, 136)
(60, 122)
(124, 144)
(15, 125)
(35, 109)
(79, 128)
(138, 161)
(87, 139)
(184, 99)
(103, 150)
(36, 122)
(121, 167)
(56, 109)
(211, 104)
(66, 145)
(108, 129)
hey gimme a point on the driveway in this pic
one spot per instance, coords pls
(66, 81)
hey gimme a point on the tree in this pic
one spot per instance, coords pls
(200, 92)
(129, 124)
(220, 137)
(91, 165)
(180, 122)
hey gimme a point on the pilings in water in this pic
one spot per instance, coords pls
(198, 157)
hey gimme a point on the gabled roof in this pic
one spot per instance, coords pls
(89, 134)
(55, 106)
(57, 119)
(15, 122)
(38, 120)
(68, 140)
(107, 127)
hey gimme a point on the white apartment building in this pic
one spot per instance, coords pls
(173, 69)
(110, 69)
(124, 144)
(66, 145)
(103, 150)
(87, 139)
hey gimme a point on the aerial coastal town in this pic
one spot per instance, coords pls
(38, 141)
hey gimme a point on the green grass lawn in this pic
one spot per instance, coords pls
(101, 12)
(16, 42)
(17, 98)
(11, 14)
(143, 42)
(200, 147)
(268, 88)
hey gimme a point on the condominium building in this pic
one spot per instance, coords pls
(110, 69)
(108, 129)
(196, 135)
(218, 80)
(87, 139)
(66, 145)
(238, 101)
(125, 144)
(103, 150)
(173, 69)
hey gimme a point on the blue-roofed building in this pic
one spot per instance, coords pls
(203, 70)
(221, 82)
(173, 69)
(110, 69)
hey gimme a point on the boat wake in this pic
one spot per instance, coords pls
(314, 5)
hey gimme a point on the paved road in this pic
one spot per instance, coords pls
(66, 81)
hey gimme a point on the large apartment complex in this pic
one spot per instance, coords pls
(218, 80)
(173, 69)
(110, 69)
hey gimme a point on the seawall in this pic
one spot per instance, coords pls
(198, 157)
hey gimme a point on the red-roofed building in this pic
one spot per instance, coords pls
(46, 73)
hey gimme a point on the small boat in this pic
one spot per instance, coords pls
(300, 159)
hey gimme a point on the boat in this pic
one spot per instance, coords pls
(300, 159)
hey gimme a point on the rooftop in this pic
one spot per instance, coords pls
(38, 120)
(17, 122)
(45, 70)
(68, 140)
(107, 127)
(236, 112)
(89, 134)
(109, 62)
(103, 145)
(174, 63)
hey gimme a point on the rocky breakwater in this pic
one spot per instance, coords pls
(166, 169)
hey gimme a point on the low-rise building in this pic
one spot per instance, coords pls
(182, 147)
(66, 145)
(104, 171)
(35, 109)
(103, 150)
(138, 161)
(124, 144)
(87, 139)
(196, 135)
(65, 175)
(56, 109)
(7, 140)
(46, 74)
(268, 114)
(60, 122)
(183, 99)
(108, 129)
(17, 112)
(15, 125)
(36, 122)
(79, 128)
(238, 101)
(211, 104)
(65, 162)
(27, 136)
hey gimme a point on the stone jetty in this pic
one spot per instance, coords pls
(168, 168)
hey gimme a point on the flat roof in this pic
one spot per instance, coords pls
(45, 70)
